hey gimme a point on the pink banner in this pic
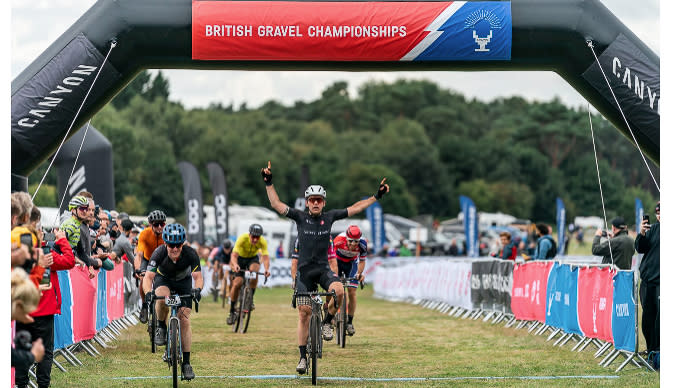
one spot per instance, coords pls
(594, 302)
(84, 304)
(114, 286)
(529, 286)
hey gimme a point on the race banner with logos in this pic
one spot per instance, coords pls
(193, 201)
(470, 225)
(100, 304)
(374, 214)
(624, 316)
(561, 232)
(115, 292)
(561, 310)
(529, 287)
(62, 326)
(594, 306)
(351, 31)
(216, 175)
(84, 304)
(491, 285)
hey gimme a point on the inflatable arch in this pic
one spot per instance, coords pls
(549, 35)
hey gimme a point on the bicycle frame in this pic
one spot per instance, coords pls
(246, 299)
(314, 342)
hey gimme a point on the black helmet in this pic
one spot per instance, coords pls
(156, 216)
(227, 244)
(255, 230)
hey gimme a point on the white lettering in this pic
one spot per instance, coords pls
(73, 81)
(601, 304)
(61, 89)
(566, 299)
(84, 70)
(50, 101)
(622, 310)
(25, 122)
(615, 64)
(651, 97)
(221, 214)
(193, 211)
(639, 88)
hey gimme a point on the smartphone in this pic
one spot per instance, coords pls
(46, 250)
(48, 236)
(46, 276)
(646, 217)
(27, 240)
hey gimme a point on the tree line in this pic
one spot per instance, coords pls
(433, 144)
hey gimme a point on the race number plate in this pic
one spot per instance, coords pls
(252, 275)
(173, 300)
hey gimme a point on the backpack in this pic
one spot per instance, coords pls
(552, 252)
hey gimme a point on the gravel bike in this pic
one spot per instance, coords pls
(341, 315)
(246, 300)
(314, 342)
(173, 346)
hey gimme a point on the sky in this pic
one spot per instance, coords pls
(36, 24)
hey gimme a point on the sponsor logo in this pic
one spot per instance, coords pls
(77, 181)
(476, 17)
(194, 216)
(622, 310)
(221, 214)
(640, 89)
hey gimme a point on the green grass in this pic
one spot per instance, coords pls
(392, 340)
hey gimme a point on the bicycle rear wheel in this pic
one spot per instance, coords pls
(314, 336)
(224, 290)
(173, 349)
(247, 301)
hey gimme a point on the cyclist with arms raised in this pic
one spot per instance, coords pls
(351, 251)
(170, 270)
(149, 239)
(313, 227)
(245, 257)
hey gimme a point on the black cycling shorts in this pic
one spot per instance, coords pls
(244, 263)
(179, 287)
(309, 277)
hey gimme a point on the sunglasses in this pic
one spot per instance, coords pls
(315, 200)
(174, 246)
(157, 224)
(84, 208)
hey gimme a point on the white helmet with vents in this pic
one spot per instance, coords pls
(314, 190)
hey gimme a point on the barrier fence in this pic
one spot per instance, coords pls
(588, 303)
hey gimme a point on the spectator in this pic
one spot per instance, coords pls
(123, 246)
(403, 250)
(280, 251)
(546, 248)
(60, 257)
(24, 300)
(508, 248)
(620, 244)
(77, 231)
(454, 249)
(648, 243)
(22, 202)
(384, 251)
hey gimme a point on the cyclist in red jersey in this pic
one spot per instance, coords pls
(351, 250)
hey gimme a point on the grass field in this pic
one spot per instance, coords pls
(393, 340)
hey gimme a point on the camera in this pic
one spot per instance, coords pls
(604, 233)
(22, 340)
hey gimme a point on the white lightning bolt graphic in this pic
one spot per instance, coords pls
(434, 32)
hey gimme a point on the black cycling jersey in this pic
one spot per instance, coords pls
(187, 263)
(314, 234)
(222, 257)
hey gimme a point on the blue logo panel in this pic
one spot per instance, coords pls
(624, 313)
(561, 303)
(476, 31)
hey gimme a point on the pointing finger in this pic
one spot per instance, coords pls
(269, 165)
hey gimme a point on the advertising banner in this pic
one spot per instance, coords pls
(63, 334)
(216, 175)
(351, 31)
(624, 316)
(115, 292)
(561, 311)
(595, 300)
(193, 202)
(470, 225)
(84, 304)
(374, 214)
(101, 301)
(561, 232)
(482, 285)
(529, 287)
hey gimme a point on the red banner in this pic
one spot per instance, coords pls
(594, 302)
(114, 287)
(529, 286)
(309, 31)
(84, 304)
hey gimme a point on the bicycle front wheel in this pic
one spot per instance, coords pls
(314, 336)
(224, 290)
(342, 321)
(248, 301)
(238, 320)
(173, 349)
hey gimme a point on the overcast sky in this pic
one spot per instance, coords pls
(36, 24)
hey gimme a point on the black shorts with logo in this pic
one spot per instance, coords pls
(179, 287)
(310, 276)
(244, 263)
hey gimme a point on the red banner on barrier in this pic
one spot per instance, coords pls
(307, 31)
(114, 287)
(84, 303)
(594, 302)
(529, 286)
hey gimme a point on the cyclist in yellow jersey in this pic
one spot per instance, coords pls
(245, 257)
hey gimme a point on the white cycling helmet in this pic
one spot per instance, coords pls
(314, 190)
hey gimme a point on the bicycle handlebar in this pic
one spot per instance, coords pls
(265, 278)
(345, 279)
(309, 294)
(187, 296)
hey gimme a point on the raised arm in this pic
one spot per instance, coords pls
(275, 202)
(364, 203)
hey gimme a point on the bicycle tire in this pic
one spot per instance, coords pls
(224, 291)
(173, 349)
(237, 322)
(214, 286)
(246, 308)
(314, 335)
(152, 326)
(342, 329)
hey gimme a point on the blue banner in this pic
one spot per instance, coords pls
(624, 314)
(560, 218)
(101, 301)
(473, 30)
(561, 307)
(470, 225)
(374, 214)
(639, 214)
(62, 328)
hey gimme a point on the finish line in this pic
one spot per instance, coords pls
(275, 377)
